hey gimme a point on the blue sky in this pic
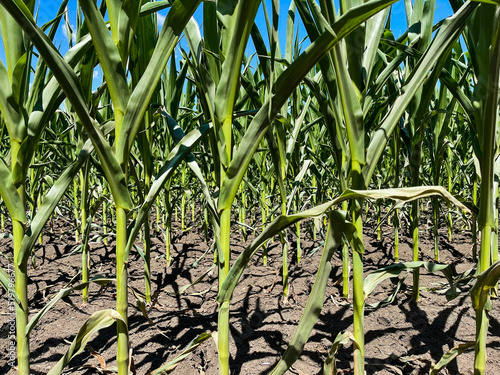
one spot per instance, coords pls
(48, 9)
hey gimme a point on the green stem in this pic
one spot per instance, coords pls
(167, 225)
(486, 220)
(223, 338)
(105, 221)
(345, 261)
(168, 243)
(205, 224)
(482, 323)
(435, 208)
(396, 147)
(122, 354)
(75, 199)
(415, 162)
(379, 231)
(449, 219)
(223, 321)
(84, 175)
(396, 236)
(21, 275)
(494, 242)
(147, 260)
(474, 223)
(358, 299)
(299, 249)
(183, 212)
(22, 310)
(264, 213)
(414, 230)
(39, 203)
(158, 214)
(284, 246)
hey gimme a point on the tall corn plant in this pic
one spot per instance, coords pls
(439, 128)
(85, 70)
(141, 52)
(283, 87)
(113, 53)
(287, 128)
(26, 112)
(356, 94)
(482, 37)
(219, 82)
(44, 99)
(233, 167)
(420, 19)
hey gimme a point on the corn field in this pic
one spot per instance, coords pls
(285, 135)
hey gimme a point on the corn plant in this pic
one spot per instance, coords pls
(26, 113)
(113, 53)
(303, 134)
(485, 59)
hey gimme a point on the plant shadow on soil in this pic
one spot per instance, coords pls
(404, 337)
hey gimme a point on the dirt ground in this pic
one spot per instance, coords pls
(404, 337)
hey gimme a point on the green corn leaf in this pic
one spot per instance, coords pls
(194, 40)
(297, 181)
(108, 52)
(284, 221)
(61, 294)
(12, 39)
(488, 129)
(405, 194)
(485, 281)
(152, 7)
(330, 368)
(50, 99)
(211, 37)
(226, 10)
(352, 236)
(10, 196)
(10, 107)
(50, 201)
(97, 321)
(41, 69)
(374, 31)
(177, 18)
(450, 356)
(123, 17)
(52, 198)
(71, 87)
(353, 114)
(8, 284)
(376, 277)
(458, 93)
(178, 134)
(170, 366)
(494, 2)
(19, 79)
(449, 32)
(390, 298)
(174, 158)
(299, 121)
(316, 297)
(240, 264)
(227, 89)
(284, 86)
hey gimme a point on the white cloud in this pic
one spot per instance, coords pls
(65, 33)
(161, 19)
(96, 74)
